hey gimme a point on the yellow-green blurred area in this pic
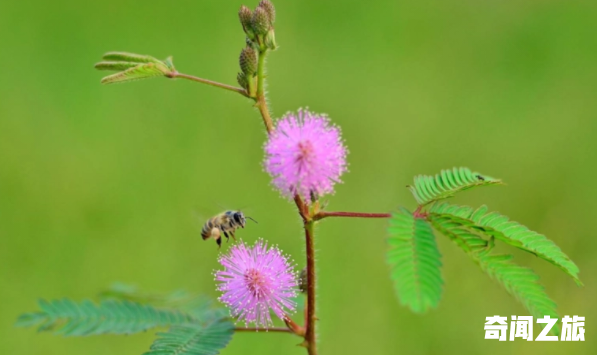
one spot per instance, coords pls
(111, 183)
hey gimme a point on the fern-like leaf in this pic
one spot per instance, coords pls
(194, 339)
(520, 282)
(115, 65)
(415, 262)
(465, 239)
(140, 71)
(499, 226)
(133, 67)
(129, 57)
(70, 318)
(427, 189)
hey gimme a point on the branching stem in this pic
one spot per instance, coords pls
(294, 328)
(302, 208)
(308, 222)
(419, 213)
(261, 102)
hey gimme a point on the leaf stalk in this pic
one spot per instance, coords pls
(210, 82)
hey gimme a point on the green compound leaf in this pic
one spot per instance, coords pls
(70, 318)
(447, 183)
(520, 282)
(140, 71)
(133, 67)
(415, 262)
(115, 65)
(130, 57)
(500, 227)
(194, 339)
(465, 239)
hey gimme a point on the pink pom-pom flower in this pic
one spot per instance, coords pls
(255, 280)
(305, 155)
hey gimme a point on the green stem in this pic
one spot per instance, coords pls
(209, 82)
(261, 73)
(261, 102)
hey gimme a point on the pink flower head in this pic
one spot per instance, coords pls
(255, 280)
(305, 155)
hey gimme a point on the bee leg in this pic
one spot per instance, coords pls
(233, 237)
(219, 241)
(227, 237)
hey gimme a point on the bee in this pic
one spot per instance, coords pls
(224, 223)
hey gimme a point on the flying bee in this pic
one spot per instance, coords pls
(224, 223)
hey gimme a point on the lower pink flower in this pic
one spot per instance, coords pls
(256, 280)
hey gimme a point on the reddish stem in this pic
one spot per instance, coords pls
(310, 318)
(302, 207)
(310, 336)
(295, 328)
(418, 214)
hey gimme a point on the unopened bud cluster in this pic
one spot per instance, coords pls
(259, 25)
(259, 28)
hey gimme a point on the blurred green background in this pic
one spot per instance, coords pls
(103, 183)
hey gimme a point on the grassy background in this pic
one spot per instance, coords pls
(99, 184)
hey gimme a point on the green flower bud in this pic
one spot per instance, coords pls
(270, 39)
(260, 21)
(241, 78)
(248, 61)
(269, 8)
(245, 15)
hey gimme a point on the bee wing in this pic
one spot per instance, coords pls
(222, 207)
(198, 220)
